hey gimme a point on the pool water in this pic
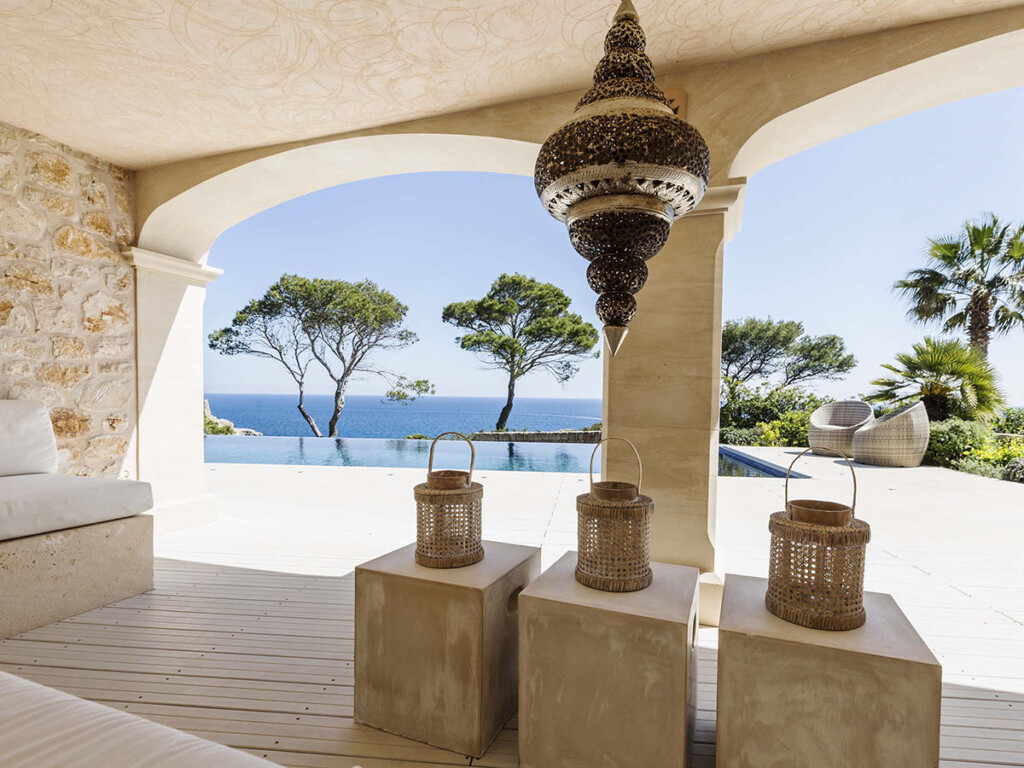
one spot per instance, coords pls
(378, 452)
(730, 466)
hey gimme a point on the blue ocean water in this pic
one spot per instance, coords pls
(368, 416)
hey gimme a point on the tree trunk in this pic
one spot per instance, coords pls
(503, 417)
(339, 403)
(937, 407)
(979, 324)
(306, 416)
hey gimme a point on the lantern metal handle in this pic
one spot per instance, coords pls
(853, 504)
(639, 464)
(472, 453)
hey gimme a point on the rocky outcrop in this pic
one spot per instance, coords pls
(208, 417)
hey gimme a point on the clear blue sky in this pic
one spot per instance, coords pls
(824, 235)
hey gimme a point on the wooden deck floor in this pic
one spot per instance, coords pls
(261, 658)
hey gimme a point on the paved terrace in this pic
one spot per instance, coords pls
(247, 639)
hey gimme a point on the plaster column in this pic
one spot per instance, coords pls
(169, 298)
(662, 390)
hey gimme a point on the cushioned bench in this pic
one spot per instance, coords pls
(34, 504)
(67, 544)
(44, 728)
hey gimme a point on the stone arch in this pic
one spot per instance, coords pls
(186, 225)
(989, 65)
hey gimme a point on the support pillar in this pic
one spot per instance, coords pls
(169, 341)
(662, 390)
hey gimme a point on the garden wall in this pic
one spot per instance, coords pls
(563, 436)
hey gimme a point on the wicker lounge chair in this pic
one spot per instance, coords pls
(832, 426)
(898, 439)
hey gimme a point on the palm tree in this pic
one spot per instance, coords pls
(940, 372)
(974, 280)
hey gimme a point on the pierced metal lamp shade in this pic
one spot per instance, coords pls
(620, 171)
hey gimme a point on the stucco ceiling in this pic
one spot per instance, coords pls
(142, 82)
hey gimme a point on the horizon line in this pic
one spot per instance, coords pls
(418, 397)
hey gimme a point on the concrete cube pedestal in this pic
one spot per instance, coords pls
(806, 698)
(607, 679)
(437, 649)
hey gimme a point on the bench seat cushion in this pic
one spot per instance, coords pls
(34, 504)
(46, 727)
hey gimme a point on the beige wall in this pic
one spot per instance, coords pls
(67, 306)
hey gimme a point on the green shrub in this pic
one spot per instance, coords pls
(1014, 471)
(211, 427)
(739, 436)
(768, 434)
(1012, 422)
(952, 439)
(747, 407)
(596, 427)
(975, 466)
(418, 436)
(999, 452)
(789, 431)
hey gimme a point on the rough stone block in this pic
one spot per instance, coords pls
(806, 698)
(607, 679)
(52, 576)
(437, 649)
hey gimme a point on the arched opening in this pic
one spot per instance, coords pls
(174, 243)
(429, 240)
(186, 225)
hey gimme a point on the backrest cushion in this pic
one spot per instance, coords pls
(27, 444)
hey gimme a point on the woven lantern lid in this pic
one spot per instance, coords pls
(818, 511)
(450, 479)
(615, 493)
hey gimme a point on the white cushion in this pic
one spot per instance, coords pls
(46, 728)
(31, 504)
(27, 443)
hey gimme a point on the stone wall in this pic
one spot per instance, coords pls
(67, 297)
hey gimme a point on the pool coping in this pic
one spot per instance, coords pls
(770, 469)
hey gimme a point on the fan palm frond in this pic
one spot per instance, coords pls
(942, 368)
(973, 281)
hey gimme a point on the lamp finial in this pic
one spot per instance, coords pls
(626, 11)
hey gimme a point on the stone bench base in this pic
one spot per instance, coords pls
(52, 576)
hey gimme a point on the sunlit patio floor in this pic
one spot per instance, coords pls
(247, 638)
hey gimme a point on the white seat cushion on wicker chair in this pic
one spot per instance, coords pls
(833, 425)
(897, 439)
(43, 727)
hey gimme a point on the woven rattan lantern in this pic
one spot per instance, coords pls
(614, 532)
(620, 171)
(816, 570)
(448, 510)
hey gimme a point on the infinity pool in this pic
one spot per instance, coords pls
(371, 452)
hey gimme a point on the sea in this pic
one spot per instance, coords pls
(372, 432)
(372, 416)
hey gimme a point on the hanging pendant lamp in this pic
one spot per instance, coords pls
(620, 171)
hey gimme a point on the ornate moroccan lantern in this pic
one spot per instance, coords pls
(620, 171)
